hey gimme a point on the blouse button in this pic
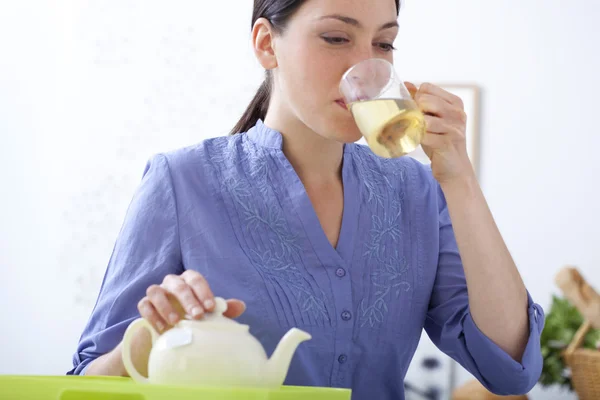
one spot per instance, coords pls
(342, 359)
(340, 272)
(346, 315)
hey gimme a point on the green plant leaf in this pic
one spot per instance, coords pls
(562, 321)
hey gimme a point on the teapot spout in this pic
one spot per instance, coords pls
(279, 363)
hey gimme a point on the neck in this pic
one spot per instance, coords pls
(314, 158)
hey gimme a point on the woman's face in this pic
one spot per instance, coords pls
(321, 41)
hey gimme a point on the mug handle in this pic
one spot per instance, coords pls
(126, 350)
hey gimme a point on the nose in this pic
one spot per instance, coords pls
(362, 52)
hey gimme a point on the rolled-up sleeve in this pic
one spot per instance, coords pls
(450, 326)
(146, 250)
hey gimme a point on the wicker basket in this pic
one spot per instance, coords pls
(584, 365)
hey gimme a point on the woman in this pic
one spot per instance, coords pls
(310, 230)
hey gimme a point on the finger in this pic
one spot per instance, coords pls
(158, 297)
(431, 104)
(235, 308)
(200, 287)
(433, 141)
(182, 291)
(412, 89)
(436, 106)
(429, 88)
(149, 313)
(437, 125)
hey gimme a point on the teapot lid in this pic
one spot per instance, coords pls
(216, 319)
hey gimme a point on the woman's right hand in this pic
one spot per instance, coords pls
(189, 293)
(163, 306)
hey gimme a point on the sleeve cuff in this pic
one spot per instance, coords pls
(501, 374)
(80, 367)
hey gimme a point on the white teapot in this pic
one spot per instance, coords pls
(212, 351)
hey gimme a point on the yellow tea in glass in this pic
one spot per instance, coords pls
(383, 108)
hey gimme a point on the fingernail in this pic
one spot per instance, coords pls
(173, 318)
(209, 303)
(160, 326)
(196, 311)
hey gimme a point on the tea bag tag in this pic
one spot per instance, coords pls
(177, 337)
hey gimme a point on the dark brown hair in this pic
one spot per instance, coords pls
(278, 13)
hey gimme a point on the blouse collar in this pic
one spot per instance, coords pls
(264, 136)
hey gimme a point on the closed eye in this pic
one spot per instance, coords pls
(335, 40)
(386, 46)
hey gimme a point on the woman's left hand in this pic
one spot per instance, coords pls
(445, 140)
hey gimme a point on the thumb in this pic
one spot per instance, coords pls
(235, 308)
(412, 89)
(428, 151)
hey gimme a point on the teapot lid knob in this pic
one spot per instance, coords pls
(216, 318)
(220, 306)
(216, 315)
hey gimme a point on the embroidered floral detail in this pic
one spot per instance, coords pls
(388, 277)
(374, 195)
(396, 208)
(258, 171)
(392, 167)
(269, 217)
(277, 271)
(375, 181)
(276, 254)
(380, 228)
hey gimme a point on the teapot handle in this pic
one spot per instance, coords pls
(126, 350)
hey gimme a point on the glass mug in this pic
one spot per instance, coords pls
(382, 107)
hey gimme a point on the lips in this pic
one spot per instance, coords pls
(341, 103)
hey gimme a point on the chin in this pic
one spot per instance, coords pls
(336, 125)
(345, 131)
(348, 137)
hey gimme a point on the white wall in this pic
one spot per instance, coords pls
(86, 98)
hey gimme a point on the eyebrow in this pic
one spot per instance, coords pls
(356, 23)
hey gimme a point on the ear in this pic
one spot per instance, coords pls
(263, 43)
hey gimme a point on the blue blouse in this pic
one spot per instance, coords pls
(234, 209)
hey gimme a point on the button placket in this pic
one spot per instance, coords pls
(342, 296)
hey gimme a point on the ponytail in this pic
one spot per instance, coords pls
(257, 109)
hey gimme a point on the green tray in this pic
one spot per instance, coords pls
(116, 388)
